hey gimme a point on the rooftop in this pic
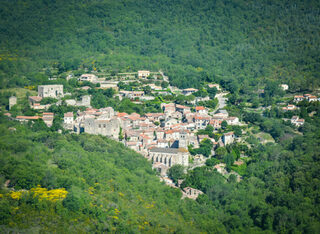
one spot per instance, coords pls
(168, 150)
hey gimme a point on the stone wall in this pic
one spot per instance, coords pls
(54, 91)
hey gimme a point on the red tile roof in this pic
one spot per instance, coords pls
(200, 108)
(28, 117)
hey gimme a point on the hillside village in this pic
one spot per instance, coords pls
(177, 134)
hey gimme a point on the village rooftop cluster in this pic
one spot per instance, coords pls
(164, 137)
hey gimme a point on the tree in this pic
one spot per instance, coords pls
(237, 131)
(220, 152)
(120, 135)
(229, 159)
(212, 92)
(212, 161)
(164, 84)
(176, 172)
(224, 124)
(147, 90)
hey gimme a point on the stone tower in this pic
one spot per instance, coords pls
(12, 101)
(86, 100)
(183, 141)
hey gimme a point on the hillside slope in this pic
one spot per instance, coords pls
(193, 41)
(110, 188)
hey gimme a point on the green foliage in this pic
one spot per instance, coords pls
(229, 160)
(204, 149)
(210, 104)
(224, 124)
(212, 92)
(48, 100)
(176, 172)
(262, 42)
(210, 162)
(109, 187)
(207, 131)
(220, 152)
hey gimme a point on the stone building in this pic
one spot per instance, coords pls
(88, 77)
(53, 91)
(191, 193)
(169, 156)
(85, 101)
(143, 74)
(228, 138)
(189, 91)
(47, 118)
(68, 121)
(284, 87)
(104, 127)
(12, 101)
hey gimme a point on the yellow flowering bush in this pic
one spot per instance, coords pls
(16, 195)
(51, 195)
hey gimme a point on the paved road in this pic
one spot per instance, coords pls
(222, 101)
(165, 78)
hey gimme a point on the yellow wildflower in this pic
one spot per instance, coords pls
(16, 195)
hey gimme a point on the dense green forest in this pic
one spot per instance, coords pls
(243, 43)
(68, 183)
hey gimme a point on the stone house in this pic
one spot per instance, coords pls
(160, 134)
(201, 110)
(296, 121)
(183, 109)
(172, 135)
(215, 123)
(284, 87)
(174, 115)
(232, 120)
(298, 98)
(47, 118)
(33, 100)
(155, 117)
(191, 193)
(228, 138)
(85, 101)
(312, 99)
(53, 91)
(201, 121)
(217, 86)
(189, 91)
(143, 74)
(132, 135)
(168, 123)
(134, 145)
(168, 108)
(289, 108)
(68, 121)
(88, 77)
(104, 127)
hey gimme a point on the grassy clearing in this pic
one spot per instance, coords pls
(20, 92)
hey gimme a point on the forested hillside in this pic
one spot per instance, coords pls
(250, 42)
(55, 181)
(109, 188)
